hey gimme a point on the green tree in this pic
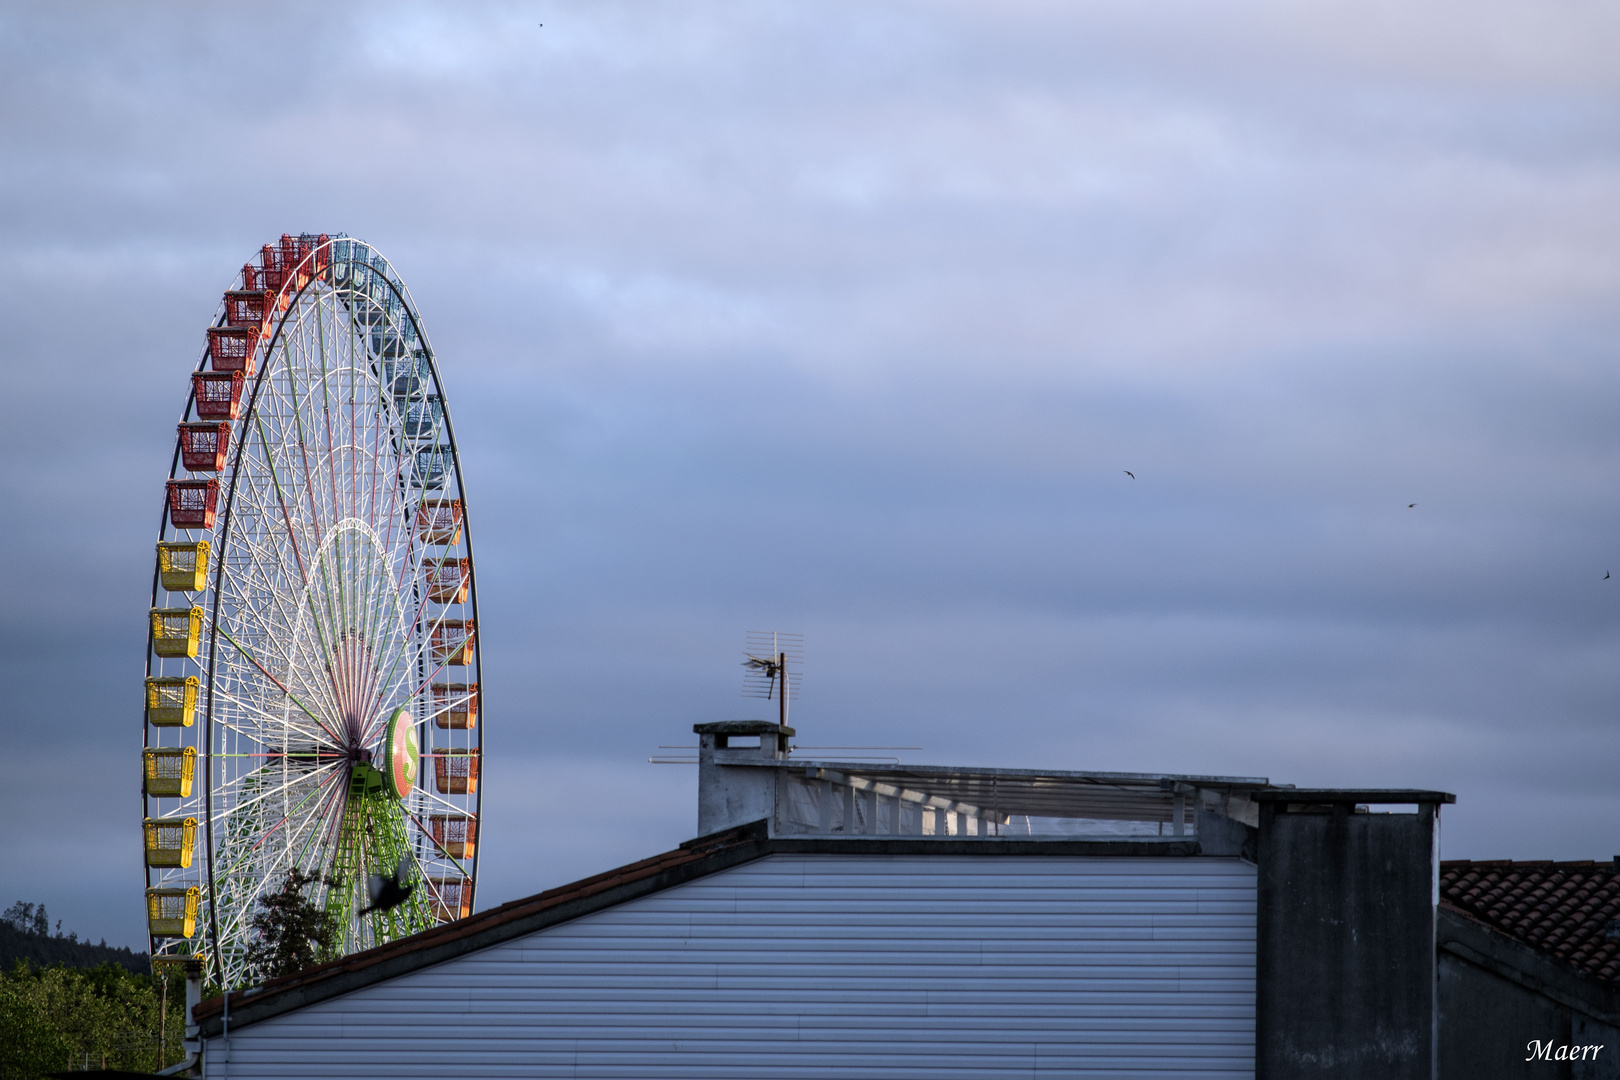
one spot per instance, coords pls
(29, 918)
(290, 931)
(57, 1017)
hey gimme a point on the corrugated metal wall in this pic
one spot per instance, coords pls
(820, 966)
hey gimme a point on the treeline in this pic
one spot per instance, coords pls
(46, 950)
(67, 1004)
(70, 1004)
(59, 1018)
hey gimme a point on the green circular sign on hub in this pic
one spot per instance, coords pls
(402, 756)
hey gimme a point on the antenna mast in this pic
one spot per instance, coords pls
(769, 659)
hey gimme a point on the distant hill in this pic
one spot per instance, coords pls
(44, 950)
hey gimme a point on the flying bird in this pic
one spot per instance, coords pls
(387, 893)
(1605, 575)
(1410, 505)
(1128, 473)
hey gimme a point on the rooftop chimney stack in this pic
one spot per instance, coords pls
(729, 796)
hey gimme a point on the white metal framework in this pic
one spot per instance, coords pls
(313, 663)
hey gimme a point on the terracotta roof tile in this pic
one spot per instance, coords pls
(1562, 909)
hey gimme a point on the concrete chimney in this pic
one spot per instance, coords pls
(732, 790)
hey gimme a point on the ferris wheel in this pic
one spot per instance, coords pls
(312, 690)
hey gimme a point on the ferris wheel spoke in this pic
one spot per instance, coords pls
(444, 853)
(242, 781)
(277, 683)
(269, 867)
(263, 623)
(316, 520)
(431, 797)
(297, 552)
(302, 845)
(316, 790)
(245, 675)
(270, 730)
(426, 638)
(272, 622)
(257, 738)
(380, 681)
(281, 497)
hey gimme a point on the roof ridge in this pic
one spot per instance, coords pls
(1603, 865)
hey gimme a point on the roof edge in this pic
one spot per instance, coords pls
(861, 767)
(483, 930)
(1469, 938)
(1354, 795)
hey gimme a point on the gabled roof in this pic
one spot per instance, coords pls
(692, 860)
(1560, 909)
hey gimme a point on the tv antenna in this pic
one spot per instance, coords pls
(768, 668)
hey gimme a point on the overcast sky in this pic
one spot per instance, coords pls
(847, 319)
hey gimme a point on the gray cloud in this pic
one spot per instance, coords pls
(847, 319)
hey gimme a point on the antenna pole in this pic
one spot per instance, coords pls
(781, 659)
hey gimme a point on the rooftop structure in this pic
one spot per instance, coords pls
(746, 773)
(861, 919)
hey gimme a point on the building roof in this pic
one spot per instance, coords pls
(692, 860)
(1560, 909)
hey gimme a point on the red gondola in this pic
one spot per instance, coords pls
(447, 580)
(191, 503)
(455, 772)
(452, 642)
(292, 260)
(267, 276)
(249, 307)
(203, 446)
(233, 348)
(218, 394)
(457, 834)
(320, 248)
(438, 521)
(455, 705)
(452, 897)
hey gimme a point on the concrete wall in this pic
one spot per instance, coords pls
(1346, 950)
(1497, 994)
(1485, 1022)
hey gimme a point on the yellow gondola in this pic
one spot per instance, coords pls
(172, 913)
(183, 567)
(175, 631)
(171, 702)
(169, 841)
(169, 772)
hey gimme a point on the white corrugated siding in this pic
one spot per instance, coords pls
(820, 966)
